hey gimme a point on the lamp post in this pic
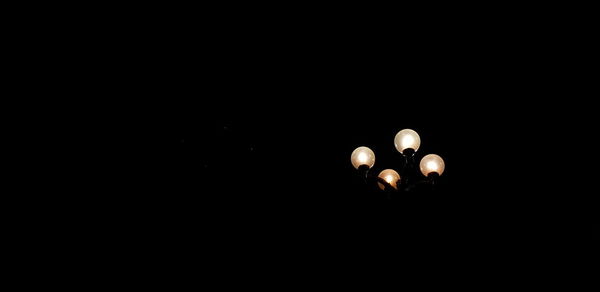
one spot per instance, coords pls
(407, 142)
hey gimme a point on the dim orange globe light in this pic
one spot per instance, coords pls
(391, 177)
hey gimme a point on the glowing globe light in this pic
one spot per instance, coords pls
(407, 139)
(362, 156)
(432, 163)
(391, 177)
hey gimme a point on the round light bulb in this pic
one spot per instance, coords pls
(362, 156)
(405, 139)
(432, 163)
(390, 176)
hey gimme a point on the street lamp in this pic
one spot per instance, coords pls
(407, 142)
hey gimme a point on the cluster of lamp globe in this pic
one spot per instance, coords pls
(407, 142)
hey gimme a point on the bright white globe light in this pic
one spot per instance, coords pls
(432, 163)
(362, 156)
(405, 139)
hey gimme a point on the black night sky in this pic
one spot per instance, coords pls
(252, 127)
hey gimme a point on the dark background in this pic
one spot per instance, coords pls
(248, 126)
